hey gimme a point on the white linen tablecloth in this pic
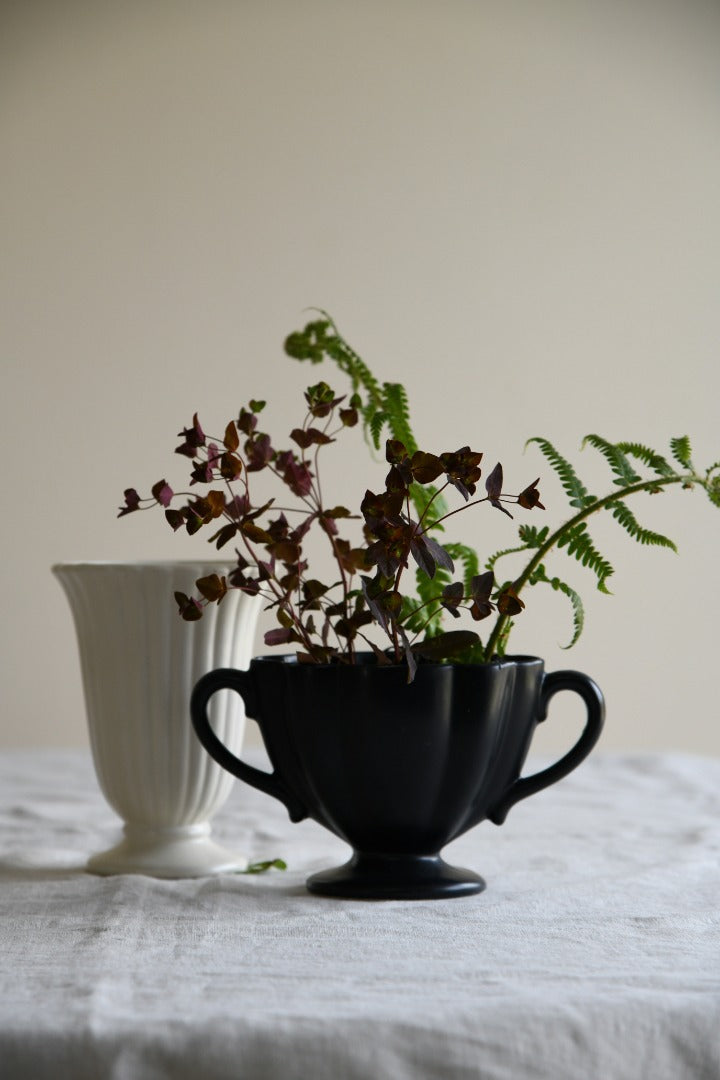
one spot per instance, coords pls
(594, 952)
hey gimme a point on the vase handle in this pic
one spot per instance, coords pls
(595, 704)
(241, 682)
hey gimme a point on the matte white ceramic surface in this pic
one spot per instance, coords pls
(139, 663)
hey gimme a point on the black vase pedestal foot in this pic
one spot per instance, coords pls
(396, 877)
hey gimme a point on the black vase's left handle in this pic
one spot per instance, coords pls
(595, 704)
(241, 683)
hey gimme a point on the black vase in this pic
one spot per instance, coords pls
(397, 770)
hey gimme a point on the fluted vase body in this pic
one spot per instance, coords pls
(139, 662)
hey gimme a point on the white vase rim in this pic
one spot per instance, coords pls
(140, 564)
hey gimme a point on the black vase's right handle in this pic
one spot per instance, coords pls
(241, 683)
(595, 704)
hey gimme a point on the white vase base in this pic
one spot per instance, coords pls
(183, 852)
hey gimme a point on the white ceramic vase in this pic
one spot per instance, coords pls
(139, 663)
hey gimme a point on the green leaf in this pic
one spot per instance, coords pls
(579, 544)
(624, 515)
(574, 488)
(649, 457)
(395, 404)
(264, 865)
(374, 425)
(490, 564)
(532, 536)
(430, 595)
(624, 472)
(681, 451)
(469, 559)
(559, 585)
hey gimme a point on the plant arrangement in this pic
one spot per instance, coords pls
(403, 524)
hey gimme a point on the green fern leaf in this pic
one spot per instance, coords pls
(469, 559)
(681, 451)
(395, 404)
(421, 495)
(430, 614)
(348, 361)
(579, 544)
(531, 536)
(375, 423)
(559, 585)
(624, 515)
(490, 564)
(574, 488)
(624, 472)
(649, 457)
(413, 615)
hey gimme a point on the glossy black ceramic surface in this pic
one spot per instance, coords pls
(397, 770)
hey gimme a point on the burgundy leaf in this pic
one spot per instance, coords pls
(246, 421)
(349, 417)
(451, 643)
(162, 493)
(280, 636)
(493, 486)
(395, 452)
(224, 535)
(132, 502)
(422, 555)
(463, 469)
(258, 452)
(231, 466)
(452, 596)
(439, 554)
(426, 467)
(232, 439)
(309, 437)
(508, 602)
(213, 587)
(175, 518)
(194, 437)
(188, 607)
(295, 474)
(237, 507)
(494, 483)
(530, 496)
(202, 472)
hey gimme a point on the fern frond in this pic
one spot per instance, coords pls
(413, 615)
(374, 424)
(556, 583)
(430, 614)
(395, 405)
(490, 563)
(574, 487)
(421, 495)
(624, 472)
(579, 544)
(680, 447)
(469, 559)
(348, 361)
(649, 457)
(625, 517)
(531, 536)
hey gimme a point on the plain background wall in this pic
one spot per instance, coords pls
(510, 207)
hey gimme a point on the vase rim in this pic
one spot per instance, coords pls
(368, 661)
(116, 564)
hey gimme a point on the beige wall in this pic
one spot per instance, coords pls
(512, 207)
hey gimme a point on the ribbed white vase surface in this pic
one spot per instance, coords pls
(139, 663)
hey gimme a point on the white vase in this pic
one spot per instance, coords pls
(139, 663)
